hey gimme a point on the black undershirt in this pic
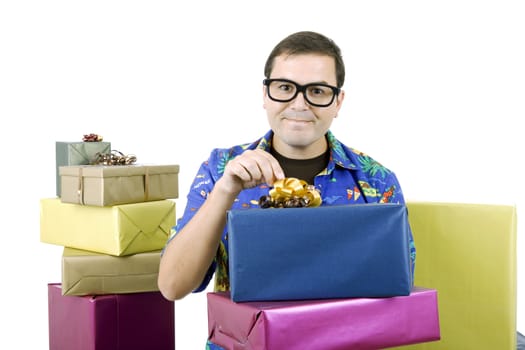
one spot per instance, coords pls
(302, 169)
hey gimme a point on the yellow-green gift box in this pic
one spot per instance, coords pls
(118, 230)
(467, 252)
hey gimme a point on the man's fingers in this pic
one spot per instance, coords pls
(270, 167)
(255, 167)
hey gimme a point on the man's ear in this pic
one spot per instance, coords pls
(264, 91)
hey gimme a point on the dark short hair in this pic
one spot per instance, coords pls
(307, 42)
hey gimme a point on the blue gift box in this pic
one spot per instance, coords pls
(325, 252)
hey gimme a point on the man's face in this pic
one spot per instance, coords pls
(299, 127)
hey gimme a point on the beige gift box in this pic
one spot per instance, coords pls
(106, 185)
(90, 273)
(77, 153)
(117, 230)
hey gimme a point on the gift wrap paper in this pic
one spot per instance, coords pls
(106, 185)
(356, 323)
(90, 273)
(317, 253)
(117, 230)
(77, 153)
(468, 253)
(136, 321)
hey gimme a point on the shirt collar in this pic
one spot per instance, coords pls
(338, 155)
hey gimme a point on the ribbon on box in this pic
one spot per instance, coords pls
(114, 158)
(92, 138)
(291, 193)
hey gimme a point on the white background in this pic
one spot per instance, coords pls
(435, 91)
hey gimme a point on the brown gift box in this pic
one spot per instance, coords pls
(107, 185)
(91, 273)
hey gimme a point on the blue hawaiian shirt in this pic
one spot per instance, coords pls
(351, 177)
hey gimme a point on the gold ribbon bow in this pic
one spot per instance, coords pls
(292, 193)
(114, 158)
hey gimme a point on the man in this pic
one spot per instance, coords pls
(302, 95)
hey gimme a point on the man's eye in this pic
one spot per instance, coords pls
(285, 87)
(317, 91)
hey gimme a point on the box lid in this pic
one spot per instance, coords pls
(117, 170)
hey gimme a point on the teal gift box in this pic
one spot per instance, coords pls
(77, 153)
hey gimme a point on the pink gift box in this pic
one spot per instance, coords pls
(135, 321)
(357, 323)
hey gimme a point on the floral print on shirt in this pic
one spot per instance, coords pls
(351, 177)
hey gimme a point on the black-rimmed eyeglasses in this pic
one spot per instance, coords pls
(316, 94)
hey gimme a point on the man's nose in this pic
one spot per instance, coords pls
(299, 102)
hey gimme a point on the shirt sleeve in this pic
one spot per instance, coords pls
(392, 193)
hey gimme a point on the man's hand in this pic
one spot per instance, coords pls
(251, 168)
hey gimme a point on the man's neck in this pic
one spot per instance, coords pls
(307, 152)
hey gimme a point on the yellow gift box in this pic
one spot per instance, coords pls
(467, 252)
(117, 230)
(91, 273)
(106, 185)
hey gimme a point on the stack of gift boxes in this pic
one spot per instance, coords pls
(113, 221)
(321, 278)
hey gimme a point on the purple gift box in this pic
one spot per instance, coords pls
(328, 324)
(135, 321)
